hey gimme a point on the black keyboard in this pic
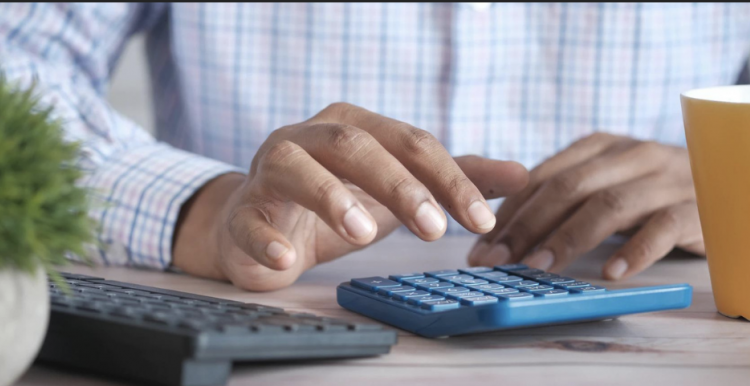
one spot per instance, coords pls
(174, 338)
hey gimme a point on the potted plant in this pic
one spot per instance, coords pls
(43, 218)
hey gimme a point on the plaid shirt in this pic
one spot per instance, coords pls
(508, 81)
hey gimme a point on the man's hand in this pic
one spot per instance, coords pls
(600, 185)
(328, 186)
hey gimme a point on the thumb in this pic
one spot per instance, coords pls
(494, 178)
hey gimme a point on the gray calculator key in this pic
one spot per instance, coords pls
(551, 293)
(442, 272)
(455, 278)
(576, 284)
(462, 295)
(471, 281)
(431, 286)
(403, 276)
(479, 300)
(485, 287)
(510, 267)
(475, 270)
(441, 305)
(452, 290)
(420, 299)
(507, 279)
(557, 280)
(535, 288)
(389, 291)
(523, 283)
(588, 289)
(515, 297)
(501, 291)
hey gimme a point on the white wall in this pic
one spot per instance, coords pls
(130, 92)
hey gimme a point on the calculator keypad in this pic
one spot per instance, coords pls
(476, 286)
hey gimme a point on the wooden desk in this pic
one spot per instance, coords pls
(687, 347)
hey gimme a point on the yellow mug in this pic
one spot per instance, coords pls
(717, 128)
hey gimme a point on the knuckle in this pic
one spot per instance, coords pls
(327, 192)
(403, 187)
(568, 241)
(611, 201)
(647, 148)
(337, 108)
(279, 153)
(417, 141)
(343, 137)
(457, 185)
(566, 185)
(669, 219)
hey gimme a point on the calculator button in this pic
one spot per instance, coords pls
(442, 272)
(412, 294)
(462, 295)
(479, 300)
(494, 275)
(557, 280)
(526, 272)
(475, 270)
(522, 284)
(420, 299)
(430, 286)
(441, 305)
(535, 288)
(389, 291)
(543, 275)
(576, 284)
(455, 278)
(551, 293)
(447, 291)
(470, 281)
(374, 283)
(485, 287)
(403, 276)
(501, 291)
(507, 280)
(420, 281)
(514, 297)
(589, 289)
(510, 267)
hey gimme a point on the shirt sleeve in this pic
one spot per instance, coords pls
(138, 185)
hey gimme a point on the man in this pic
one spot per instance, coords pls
(261, 174)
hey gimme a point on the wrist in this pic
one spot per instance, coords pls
(196, 241)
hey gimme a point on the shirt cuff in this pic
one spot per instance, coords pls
(137, 196)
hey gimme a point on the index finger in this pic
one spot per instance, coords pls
(426, 158)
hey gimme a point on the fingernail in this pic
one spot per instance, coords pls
(477, 252)
(617, 268)
(540, 260)
(356, 223)
(429, 220)
(276, 250)
(481, 216)
(499, 254)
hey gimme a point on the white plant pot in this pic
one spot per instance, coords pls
(24, 313)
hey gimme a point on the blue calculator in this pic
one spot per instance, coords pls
(470, 300)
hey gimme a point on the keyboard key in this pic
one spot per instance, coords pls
(551, 293)
(400, 277)
(461, 295)
(425, 280)
(447, 291)
(576, 284)
(404, 296)
(431, 286)
(389, 291)
(587, 290)
(501, 291)
(523, 283)
(510, 267)
(470, 281)
(485, 287)
(421, 299)
(374, 283)
(506, 280)
(557, 280)
(441, 305)
(479, 300)
(535, 288)
(515, 296)
(442, 272)
(475, 270)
